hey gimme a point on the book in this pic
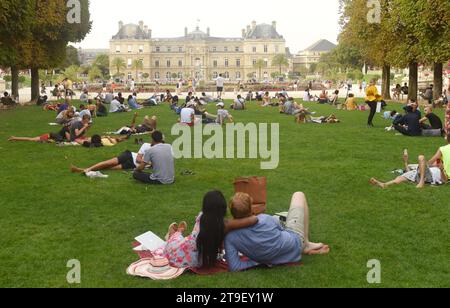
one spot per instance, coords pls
(149, 242)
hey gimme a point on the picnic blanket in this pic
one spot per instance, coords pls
(155, 266)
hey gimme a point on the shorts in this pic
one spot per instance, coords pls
(126, 161)
(295, 222)
(219, 89)
(44, 138)
(414, 175)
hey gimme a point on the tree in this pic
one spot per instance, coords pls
(259, 65)
(102, 62)
(280, 61)
(12, 52)
(72, 57)
(372, 39)
(137, 65)
(118, 64)
(72, 73)
(95, 73)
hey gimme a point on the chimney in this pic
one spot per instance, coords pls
(208, 31)
(274, 24)
(186, 31)
(253, 25)
(141, 25)
(120, 25)
(244, 33)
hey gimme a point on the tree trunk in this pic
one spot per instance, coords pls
(386, 86)
(34, 84)
(413, 80)
(14, 82)
(438, 80)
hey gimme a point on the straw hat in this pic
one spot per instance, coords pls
(155, 268)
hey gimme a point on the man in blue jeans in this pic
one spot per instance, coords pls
(268, 242)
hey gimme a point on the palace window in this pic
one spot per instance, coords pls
(214, 49)
(237, 49)
(157, 63)
(238, 62)
(168, 63)
(180, 75)
(130, 76)
(254, 62)
(266, 49)
(169, 49)
(225, 49)
(157, 75)
(215, 75)
(266, 63)
(168, 75)
(180, 63)
(227, 63)
(215, 63)
(238, 75)
(158, 49)
(226, 75)
(254, 49)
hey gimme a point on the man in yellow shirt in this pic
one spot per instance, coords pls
(372, 98)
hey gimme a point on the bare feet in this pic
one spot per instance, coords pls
(375, 182)
(420, 185)
(173, 228)
(12, 138)
(182, 227)
(75, 169)
(309, 247)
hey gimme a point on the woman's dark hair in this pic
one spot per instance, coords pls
(96, 142)
(212, 228)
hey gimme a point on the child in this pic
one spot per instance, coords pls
(202, 247)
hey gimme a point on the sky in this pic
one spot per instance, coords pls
(301, 22)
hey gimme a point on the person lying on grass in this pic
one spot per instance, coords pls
(267, 242)
(203, 246)
(148, 126)
(434, 172)
(72, 133)
(98, 141)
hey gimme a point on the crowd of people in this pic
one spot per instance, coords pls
(262, 239)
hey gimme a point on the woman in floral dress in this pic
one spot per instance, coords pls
(202, 247)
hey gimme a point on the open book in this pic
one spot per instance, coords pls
(149, 242)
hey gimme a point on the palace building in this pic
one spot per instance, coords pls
(198, 54)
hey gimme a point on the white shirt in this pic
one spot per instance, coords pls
(222, 114)
(144, 148)
(115, 106)
(186, 115)
(220, 82)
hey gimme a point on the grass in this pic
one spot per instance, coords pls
(49, 216)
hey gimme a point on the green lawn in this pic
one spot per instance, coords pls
(49, 216)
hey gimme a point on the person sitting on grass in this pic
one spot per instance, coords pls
(433, 172)
(323, 98)
(202, 247)
(187, 115)
(168, 97)
(239, 103)
(268, 242)
(350, 103)
(409, 124)
(125, 161)
(133, 104)
(66, 117)
(7, 100)
(433, 119)
(84, 111)
(160, 158)
(222, 115)
(78, 130)
(116, 106)
(266, 101)
(102, 111)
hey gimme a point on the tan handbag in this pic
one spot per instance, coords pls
(256, 187)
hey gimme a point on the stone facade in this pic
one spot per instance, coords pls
(312, 54)
(197, 53)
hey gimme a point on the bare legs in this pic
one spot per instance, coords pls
(112, 164)
(35, 139)
(299, 202)
(422, 171)
(399, 180)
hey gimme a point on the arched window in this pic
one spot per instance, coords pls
(238, 75)
(226, 75)
(168, 75)
(157, 75)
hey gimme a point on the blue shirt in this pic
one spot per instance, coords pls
(267, 242)
(133, 103)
